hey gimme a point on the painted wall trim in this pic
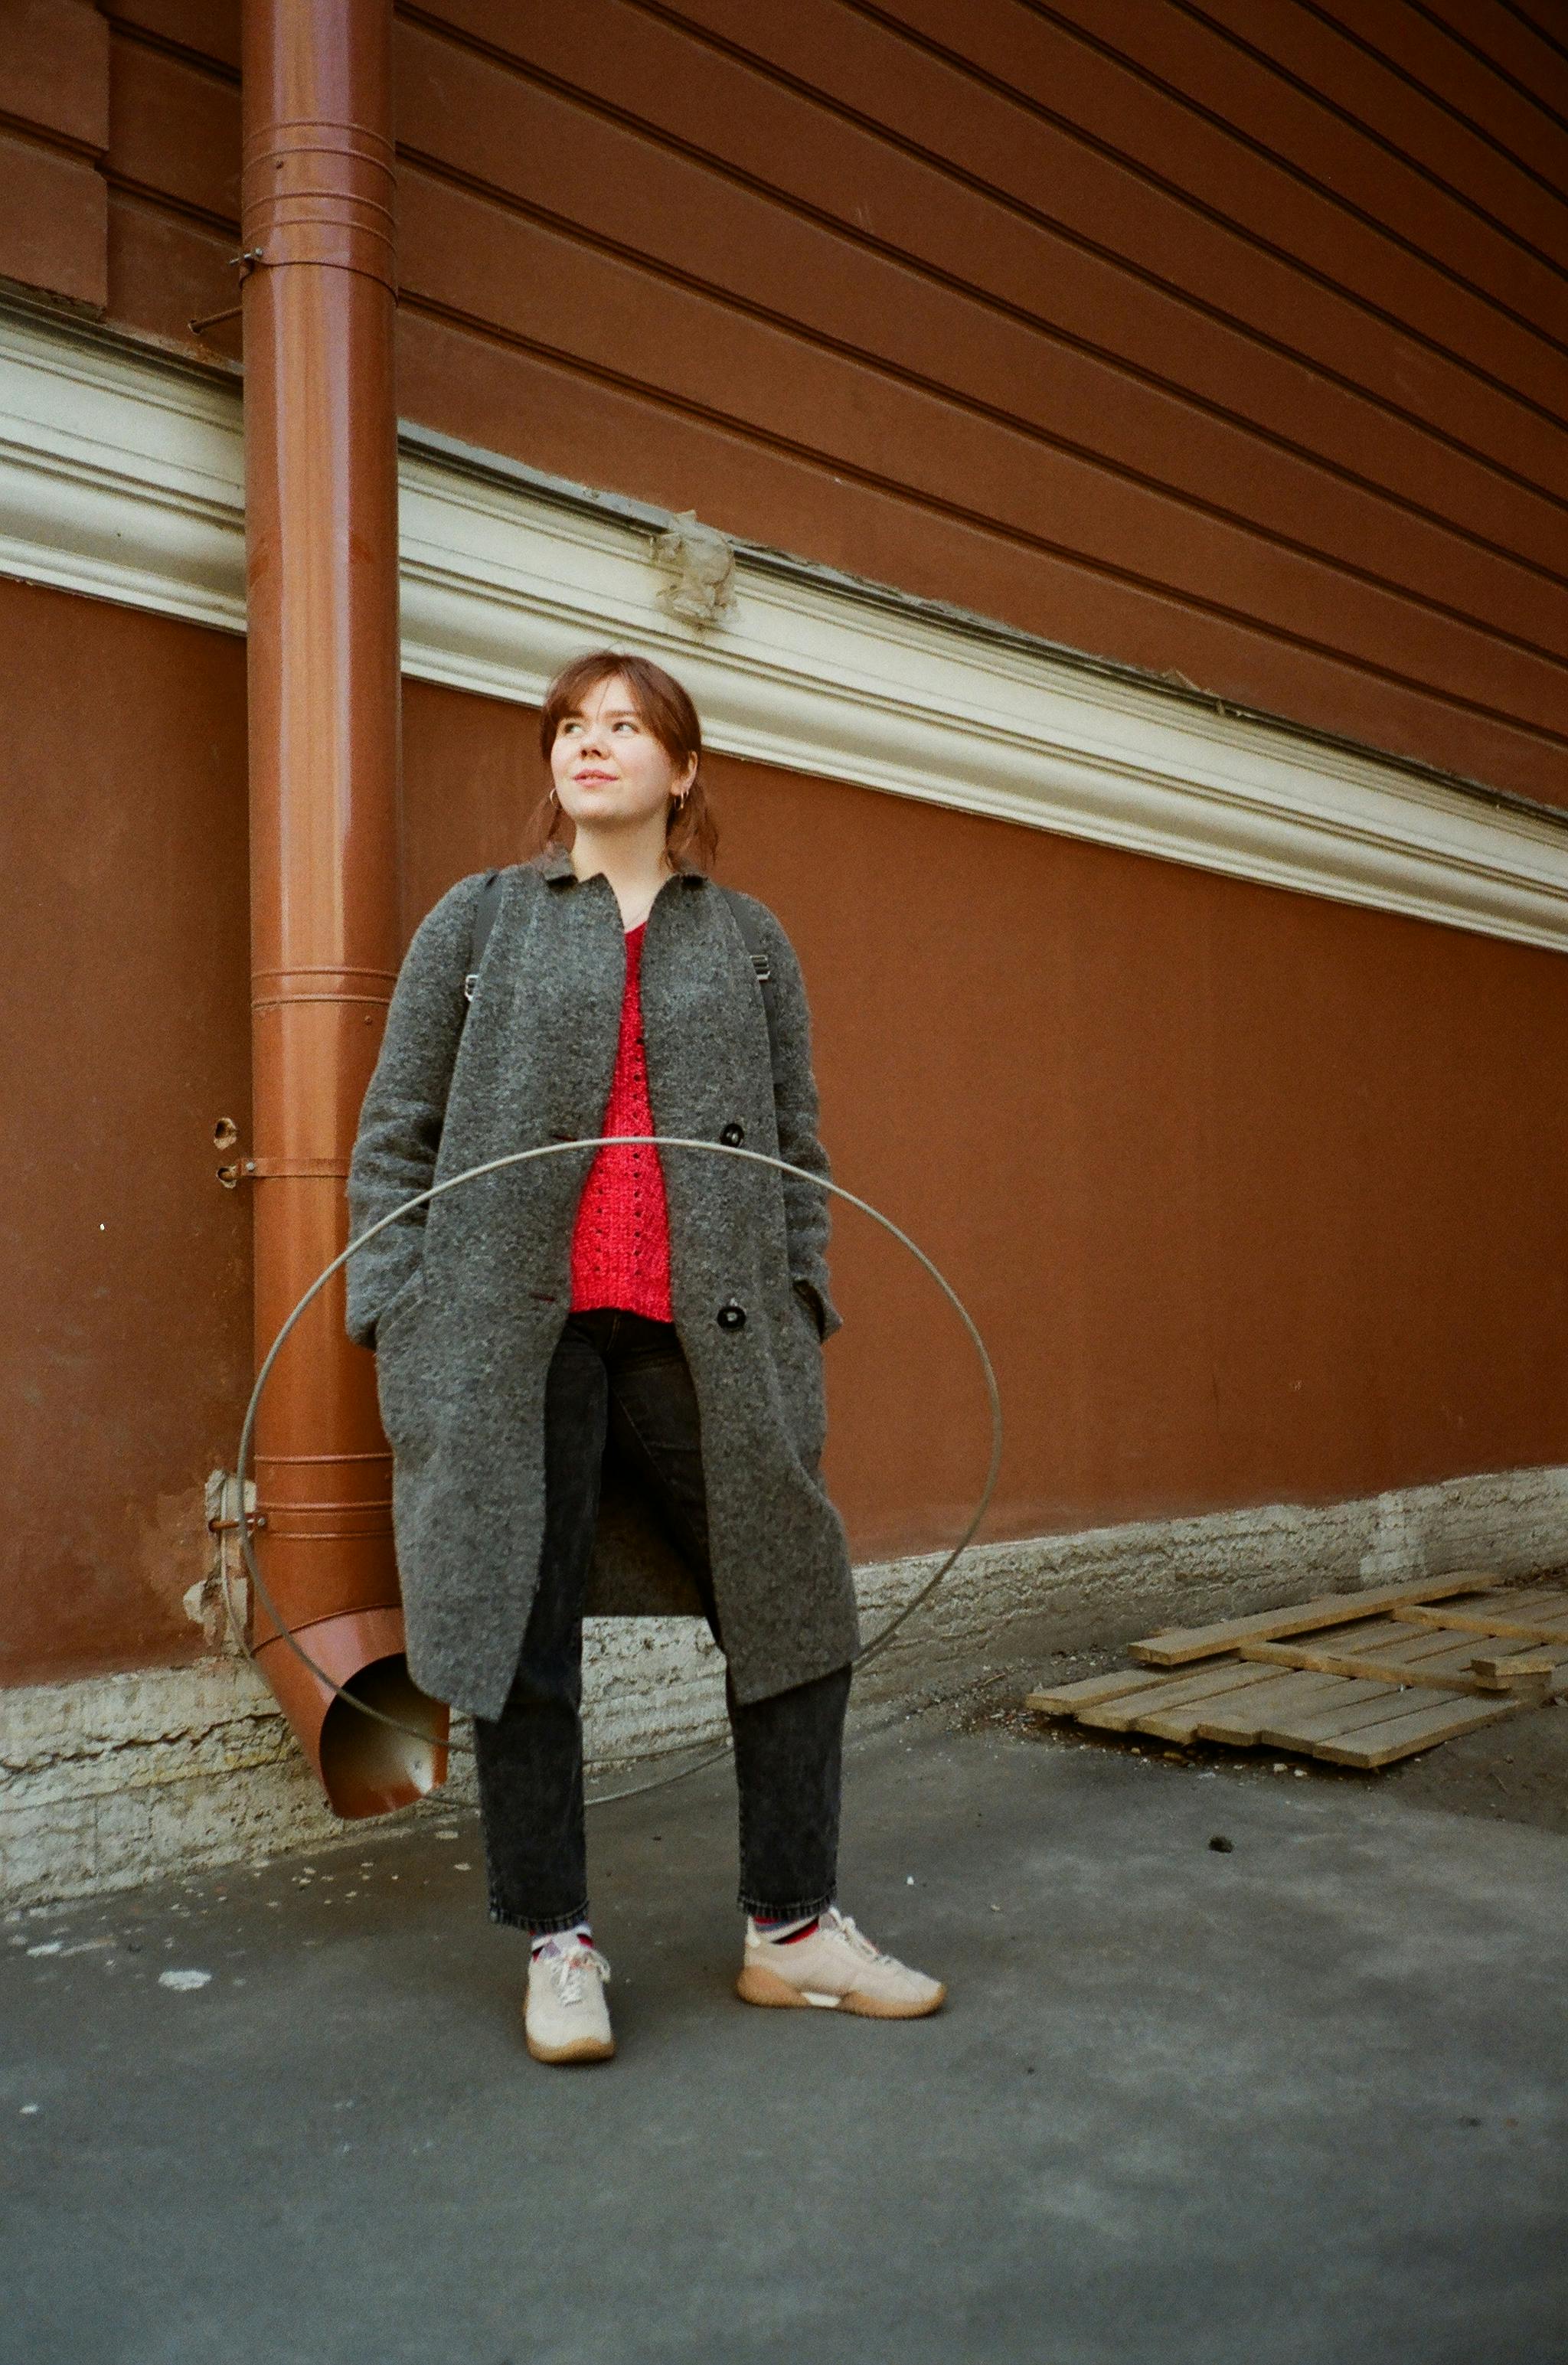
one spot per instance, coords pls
(121, 478)
(123, 1778)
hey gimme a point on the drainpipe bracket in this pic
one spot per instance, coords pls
(277, 1169)
(220, 1603)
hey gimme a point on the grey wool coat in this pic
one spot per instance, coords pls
(464, 1300)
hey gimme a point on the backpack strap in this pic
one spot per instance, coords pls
(490, 902)
(747, 922)
(485, 910)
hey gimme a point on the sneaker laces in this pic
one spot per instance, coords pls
(843, 1925)
(566, 1970)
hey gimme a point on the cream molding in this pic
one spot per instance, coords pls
(121, 478)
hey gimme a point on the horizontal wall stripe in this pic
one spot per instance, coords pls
(808, 407)
(995, 248)
(1373, 94)
(1226, 178)
(1048, 206)
(1232, 86)
(1019, 376)
(121, 478)
(1141, 330)
(1005, 119)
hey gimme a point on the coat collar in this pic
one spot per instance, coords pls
(555, 864)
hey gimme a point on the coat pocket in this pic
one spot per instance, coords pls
(401, 1379)
(400, 1375)
(803, 1381)
(811, 1306)
(408, 1296)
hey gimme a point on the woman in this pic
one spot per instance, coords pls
(600, 1374)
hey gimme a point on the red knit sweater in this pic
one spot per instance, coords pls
(621, 1245)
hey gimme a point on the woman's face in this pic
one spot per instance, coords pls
(609, 769)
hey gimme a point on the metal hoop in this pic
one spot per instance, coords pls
(492, 1166)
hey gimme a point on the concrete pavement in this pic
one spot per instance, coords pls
(1301, 2101)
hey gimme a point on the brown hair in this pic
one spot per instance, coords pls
(691, 834)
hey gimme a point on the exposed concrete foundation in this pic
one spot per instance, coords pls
(110, 1782)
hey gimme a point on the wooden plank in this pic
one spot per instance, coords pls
(1381, 1744)
(1180, 1644)
(1537, 1597)
(1501, 1672)
(1523, 1623)
(1551, 1598)
(1232, 1711)
(1432, 1655)
(1374, 1639)
(1392, 1641)
(1179, 1724)
(1274, 1704)
(1165, 1691)
(1448, 1667)
(1438, 1655)
(1528, 1602)
(1457, 1654)
(1066, 1700)
(1371, 1634)
(1360, 1704)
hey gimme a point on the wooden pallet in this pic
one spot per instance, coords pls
(1357, 1679)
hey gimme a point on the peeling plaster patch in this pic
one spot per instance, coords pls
(173, 1543)
(702, 562)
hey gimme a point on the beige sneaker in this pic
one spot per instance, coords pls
(565, 2017)
(838, 1970)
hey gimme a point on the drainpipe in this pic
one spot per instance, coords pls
(321, 560)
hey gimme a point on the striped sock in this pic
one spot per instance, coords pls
(786, 1932)
(563, 1941)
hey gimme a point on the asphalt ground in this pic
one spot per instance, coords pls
(1299, 2100)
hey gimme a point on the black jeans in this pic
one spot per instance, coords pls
(620, 1379)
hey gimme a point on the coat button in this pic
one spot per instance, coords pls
(733, 1135)
(731, 1317)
